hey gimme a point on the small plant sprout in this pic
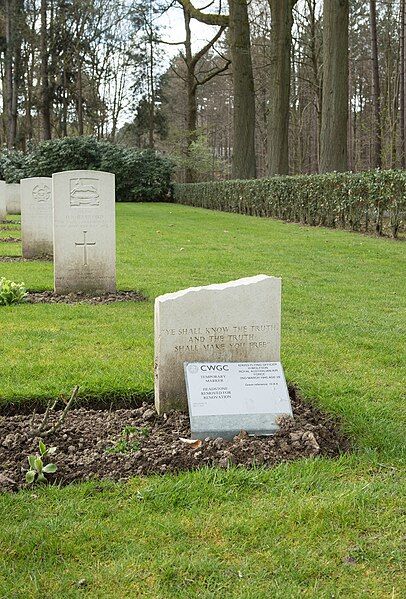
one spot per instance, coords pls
(11, 293)
(38, 469)
(129, 440)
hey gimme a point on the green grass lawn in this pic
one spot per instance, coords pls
(312, 529)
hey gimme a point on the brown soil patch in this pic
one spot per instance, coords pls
(21, 259)
(10, 239)
(91, 444)
(49, 297)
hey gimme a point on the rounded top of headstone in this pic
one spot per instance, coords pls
(83, 173)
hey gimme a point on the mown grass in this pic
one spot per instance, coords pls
(311, 529)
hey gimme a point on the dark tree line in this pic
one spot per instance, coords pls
(279, 86)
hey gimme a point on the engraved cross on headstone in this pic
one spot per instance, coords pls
(85, 245)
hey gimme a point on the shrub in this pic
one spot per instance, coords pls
(141, 175)
(358, 201)
(12, 165)
(66, 154)
(11, 293)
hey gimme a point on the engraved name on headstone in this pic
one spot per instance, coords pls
(13, 200)
(84, 232)
(36, 217)
(235, 321)
(227, 397)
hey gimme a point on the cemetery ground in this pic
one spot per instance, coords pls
(315, 527)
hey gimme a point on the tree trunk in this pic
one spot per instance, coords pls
(244, 163)
(11, 124)
(80, 97)
(402, 86)
(151, 123)
(191, 89)
(279, 97)
(376, 88)
(335, 86)
(45, 96)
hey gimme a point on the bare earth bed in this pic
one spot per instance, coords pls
(120, 443)
(20, 259)
(49, 297)
(10, 239)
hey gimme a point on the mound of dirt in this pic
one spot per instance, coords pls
(117, 444)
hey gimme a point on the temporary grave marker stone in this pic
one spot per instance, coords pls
(13, 200)
(36, 217)
(3, 209)
(237, 321)
(227, 397)
(84, 232)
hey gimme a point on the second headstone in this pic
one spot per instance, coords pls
(3, 210)
(36, 217)
(13, 200)
(84, 232)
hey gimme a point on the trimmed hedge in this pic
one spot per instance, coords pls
(367, 201)
(141, 175)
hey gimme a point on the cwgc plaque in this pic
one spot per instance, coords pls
(36, 217)
(84, 232)
(227, 397)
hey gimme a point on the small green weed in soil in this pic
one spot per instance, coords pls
(129, 440)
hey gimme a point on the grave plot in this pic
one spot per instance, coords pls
(121, 443)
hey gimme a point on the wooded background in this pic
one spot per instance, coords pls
(281, 86)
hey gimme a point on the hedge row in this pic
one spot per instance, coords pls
(371, 201)
(141, 175)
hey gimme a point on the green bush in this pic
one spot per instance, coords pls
(11, 293)
(141, 175)
(12, 165)
(365, 201)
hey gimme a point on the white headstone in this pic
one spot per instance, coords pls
(228, 397)
(13, 200)
(84, 232)
(36, 216)
(3, 209)
(237, 321)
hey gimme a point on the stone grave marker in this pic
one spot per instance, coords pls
(227, 397)
(3, 209)
(237, 321)
(13, 200)
(84, 232)
(36, 217)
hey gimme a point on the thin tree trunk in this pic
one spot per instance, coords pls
(335, 86)
(151, 127)
(402, 86)
(191, 89)
(376, 88)
(80, 97)
(8, 70)
(45, 95)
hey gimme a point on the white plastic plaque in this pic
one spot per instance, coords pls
(227, 397)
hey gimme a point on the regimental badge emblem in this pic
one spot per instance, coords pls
(41, 193)
(84, 192)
